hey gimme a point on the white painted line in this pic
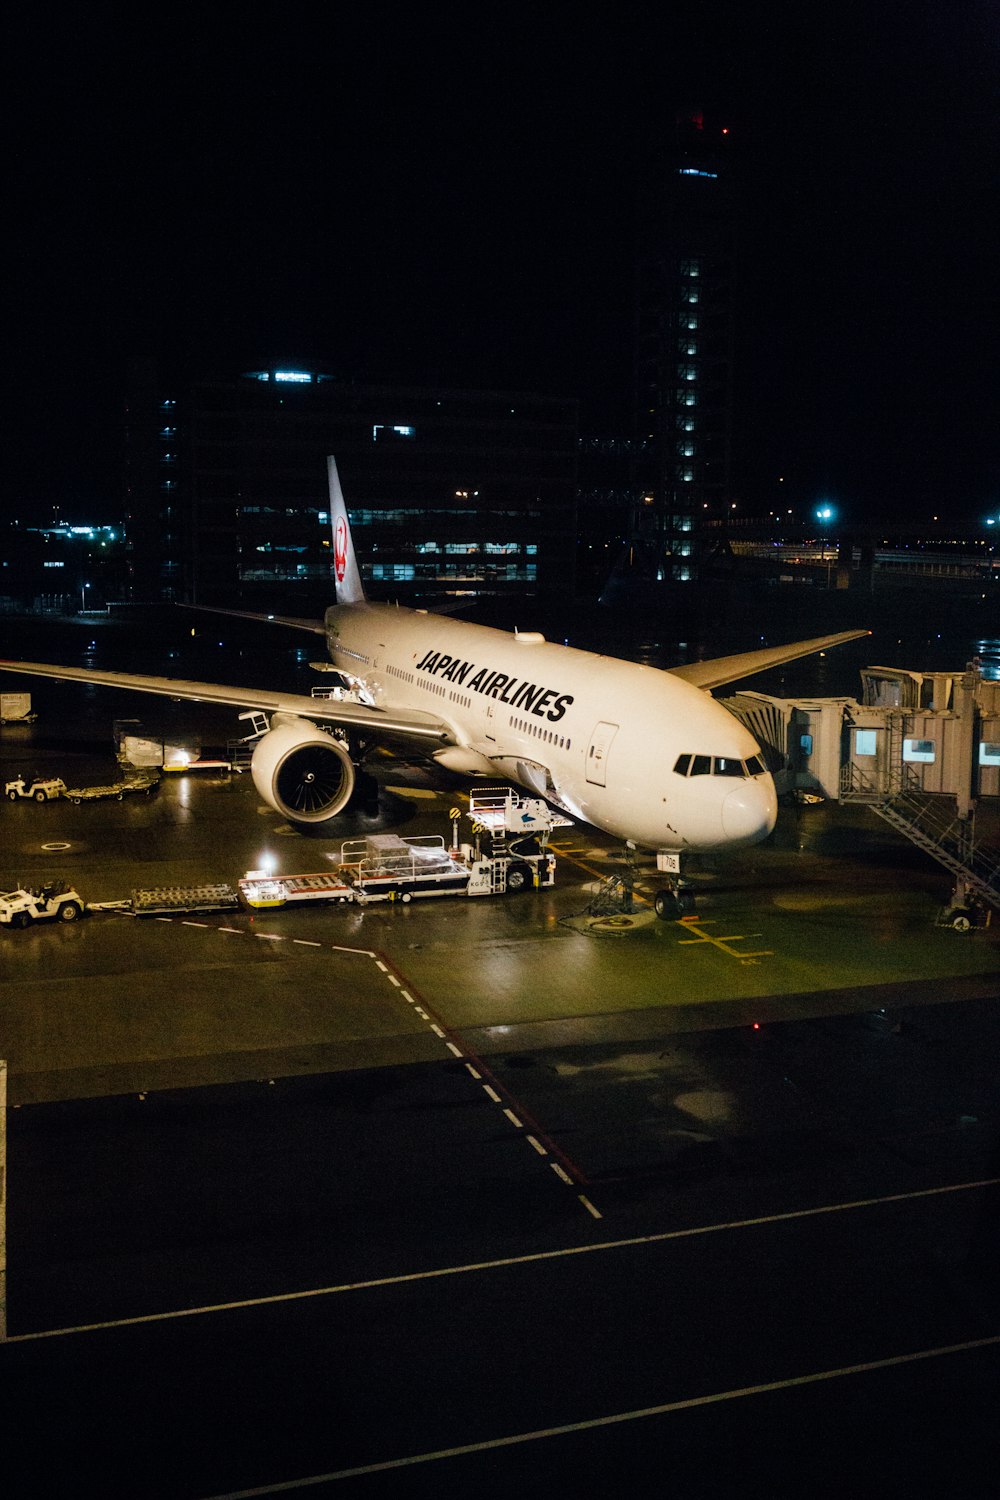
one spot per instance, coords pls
(358, 952)
(163, 919)
(437, 1030)
(407, 996)
(599, 1247)
(589, 1207)
(237, 930)
(306, 943)
(492, 1093)
(558, 1170)
(512, 1117)
(537, 1145)
(423, 1013)
(271, 937)
(382, 966)
(473, 1071)
(394, 980)
(193, 924)
(452, 1048)
(588, 1424)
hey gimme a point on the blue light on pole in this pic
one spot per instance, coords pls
(824, 512)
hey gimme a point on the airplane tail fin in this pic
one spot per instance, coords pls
(346, 573)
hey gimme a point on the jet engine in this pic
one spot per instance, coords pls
(301, 771)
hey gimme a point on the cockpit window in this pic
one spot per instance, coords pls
(725, 765)
(719, 765)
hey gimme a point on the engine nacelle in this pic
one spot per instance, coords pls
(301, 771)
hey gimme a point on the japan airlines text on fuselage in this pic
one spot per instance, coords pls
(629, 748)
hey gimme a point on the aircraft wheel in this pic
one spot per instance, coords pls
(666, 905)
(69, 912)
(518, 878)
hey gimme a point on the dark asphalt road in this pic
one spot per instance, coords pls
(297, 1191)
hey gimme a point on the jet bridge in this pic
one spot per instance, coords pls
(921, 749)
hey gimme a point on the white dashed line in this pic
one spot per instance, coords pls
(473, 1071)
(407, 996)
(238, 930)
(512, 1117)
(492, 1093)
(379, 964)
(194, 924)
(271, 937)
(595, 1213)
(437, 1030)
(557, 1169)
(306, 943)
(452, 1048)
(394, 980)
(163, 919)
(537, 1145)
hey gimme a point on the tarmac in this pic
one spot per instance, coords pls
(834, 914)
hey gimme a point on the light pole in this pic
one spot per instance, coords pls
(826, 513)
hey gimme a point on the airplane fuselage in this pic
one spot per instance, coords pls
(628, 748)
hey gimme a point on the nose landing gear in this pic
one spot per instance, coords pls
(673, 901)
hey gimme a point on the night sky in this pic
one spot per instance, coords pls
(446, 197)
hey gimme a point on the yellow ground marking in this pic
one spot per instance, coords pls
(744, 955)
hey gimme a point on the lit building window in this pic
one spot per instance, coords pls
(921, 751)
(865, 742)
(989, 755)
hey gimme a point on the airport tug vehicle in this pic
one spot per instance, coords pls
(35, 788)
(509, 854)
(58, 903)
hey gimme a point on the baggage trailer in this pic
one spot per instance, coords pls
(170, 900)
(268, 892)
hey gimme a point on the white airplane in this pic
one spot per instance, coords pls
(644, 754)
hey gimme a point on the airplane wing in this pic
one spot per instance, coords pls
(710, 674)
(410, 724)
(315, 626)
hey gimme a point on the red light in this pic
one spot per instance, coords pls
(756, 1026)
(725, 130)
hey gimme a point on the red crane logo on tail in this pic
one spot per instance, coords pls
(340, 549)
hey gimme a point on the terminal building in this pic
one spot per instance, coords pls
(450, 492)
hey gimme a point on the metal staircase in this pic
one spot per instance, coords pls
(930, 821)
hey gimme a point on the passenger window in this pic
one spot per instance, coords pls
(701, 765)
(725, 765)
(682, 765)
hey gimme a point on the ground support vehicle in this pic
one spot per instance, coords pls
(58, 903)
(15, 708)
(141, 781)
(170, 900)
(385, 867)
(267, 892)
(35, 788)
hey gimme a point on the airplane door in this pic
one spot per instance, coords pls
(597, 752)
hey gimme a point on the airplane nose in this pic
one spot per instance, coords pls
(750, 811)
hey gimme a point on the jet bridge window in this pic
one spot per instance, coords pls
(919, 750)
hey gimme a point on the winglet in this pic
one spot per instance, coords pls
(346, 574)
